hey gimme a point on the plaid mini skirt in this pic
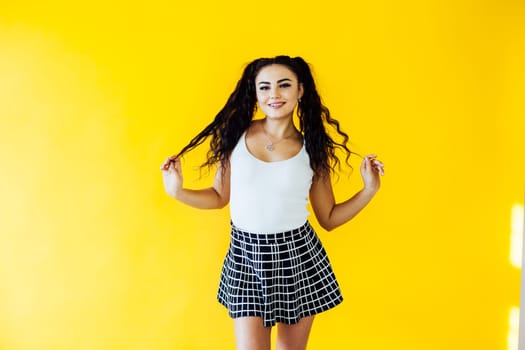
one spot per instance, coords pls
(280, 277)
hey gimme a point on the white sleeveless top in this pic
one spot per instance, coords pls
(268, 197)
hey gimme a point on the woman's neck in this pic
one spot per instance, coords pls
(279, 128)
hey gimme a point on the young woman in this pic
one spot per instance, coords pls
(276, 270)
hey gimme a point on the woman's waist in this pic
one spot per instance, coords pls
(252, 235)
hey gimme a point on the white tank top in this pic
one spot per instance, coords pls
(268, 197)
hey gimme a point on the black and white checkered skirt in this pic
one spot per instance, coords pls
(280, 277)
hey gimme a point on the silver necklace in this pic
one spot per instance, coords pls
(269, 146)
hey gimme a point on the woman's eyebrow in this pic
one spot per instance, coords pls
(278, 81)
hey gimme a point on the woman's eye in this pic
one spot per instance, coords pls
(285, 85)
(264, 88)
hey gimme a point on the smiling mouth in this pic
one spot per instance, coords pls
(276, 105)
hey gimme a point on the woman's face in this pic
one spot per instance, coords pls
(278, 91)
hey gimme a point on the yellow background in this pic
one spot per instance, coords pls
(94, 96)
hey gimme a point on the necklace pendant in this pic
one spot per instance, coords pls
(269, 147)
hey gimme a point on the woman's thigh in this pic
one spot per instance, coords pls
(295, 336)
(250, 334)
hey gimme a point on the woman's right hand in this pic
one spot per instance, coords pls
(172, 175)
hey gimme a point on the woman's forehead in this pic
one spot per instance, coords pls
(275, 72)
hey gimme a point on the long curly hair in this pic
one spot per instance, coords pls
(236, 115)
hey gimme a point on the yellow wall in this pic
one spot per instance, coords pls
(93, 254)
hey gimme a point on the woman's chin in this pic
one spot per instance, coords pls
(276, 115)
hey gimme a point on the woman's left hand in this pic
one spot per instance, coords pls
(371, 168)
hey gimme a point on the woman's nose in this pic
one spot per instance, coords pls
(274, 93)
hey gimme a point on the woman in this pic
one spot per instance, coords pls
(276, 270)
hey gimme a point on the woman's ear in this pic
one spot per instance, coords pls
(301, 90)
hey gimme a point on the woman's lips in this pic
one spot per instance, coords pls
(276, 105)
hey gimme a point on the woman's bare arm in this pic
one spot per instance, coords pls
(331, 215)
(214, 197)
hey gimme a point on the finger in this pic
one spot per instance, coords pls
(165, 166)
(170, 159)
(176, 166)
(379, 166)
(166, 163)
(370, 161)
(376, 165)
(370, 166)
(364, 163)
